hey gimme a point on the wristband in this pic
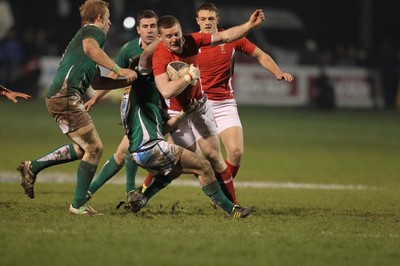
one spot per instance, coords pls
(115, 69)
(182, 115)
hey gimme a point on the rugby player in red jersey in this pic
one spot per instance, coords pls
(199, 126)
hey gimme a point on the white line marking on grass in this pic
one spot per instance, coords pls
(361, 235)
(60, 177)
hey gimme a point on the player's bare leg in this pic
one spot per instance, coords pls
(210, 147)
(89, 141)
(30, 169)
(119, 155)
(111, 167)
(232, 138)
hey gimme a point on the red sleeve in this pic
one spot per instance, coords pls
(161, 58)
(201, 39)
(245, 46)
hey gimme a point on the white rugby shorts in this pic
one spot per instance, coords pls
(226, 114)
(197, 124)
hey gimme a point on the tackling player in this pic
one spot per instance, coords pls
(147, 30)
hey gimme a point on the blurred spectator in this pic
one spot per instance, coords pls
(11, 57)
(326, 57)
(323, 91)
(28, 82)
(310, 54)
(388, 68)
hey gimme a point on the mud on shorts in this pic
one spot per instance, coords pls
(158, 157)
(68, 112)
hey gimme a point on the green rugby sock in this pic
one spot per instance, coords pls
(110, 168)
(84, 176)
(158, 184)
(63, 154)
(131, 169)
(214, 191)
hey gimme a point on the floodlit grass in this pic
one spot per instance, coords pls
(178, 227)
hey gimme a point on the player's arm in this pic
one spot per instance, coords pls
(12, 95)
(266, 61)
(146, 58)
(93, 50)
(97, 96)
(172, 122)
(171, 88)
(238, 32)
(100, 93)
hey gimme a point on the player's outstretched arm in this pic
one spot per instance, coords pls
(266, 61)
(238, 32)
(93, 50)
(12, 95)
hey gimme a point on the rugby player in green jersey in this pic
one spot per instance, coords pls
(147, 30)
(63, 100)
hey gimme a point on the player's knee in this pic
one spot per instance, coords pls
(212, 156)
(100, 149)
(79, 151)
(235, 156)
(120, 157)
(95, 150)
(205, 167)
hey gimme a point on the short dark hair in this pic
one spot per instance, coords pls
(147, 13)
(167, 22)
(207, 6)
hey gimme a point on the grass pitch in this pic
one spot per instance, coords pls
(356, 222)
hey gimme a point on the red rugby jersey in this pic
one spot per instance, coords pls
(162, 57)
(216, 65)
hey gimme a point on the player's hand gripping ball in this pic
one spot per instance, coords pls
(178, 69)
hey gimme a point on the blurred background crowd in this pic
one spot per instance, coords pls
(359, 33)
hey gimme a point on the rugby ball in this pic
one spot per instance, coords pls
(177, 69)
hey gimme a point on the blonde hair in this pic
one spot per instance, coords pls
(91, 10)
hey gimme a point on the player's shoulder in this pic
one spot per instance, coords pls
(90, 28)
(160, 48)
(92, 31)
(131, 43)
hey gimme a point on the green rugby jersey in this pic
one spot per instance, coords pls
(76, 69)
(143, 120)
